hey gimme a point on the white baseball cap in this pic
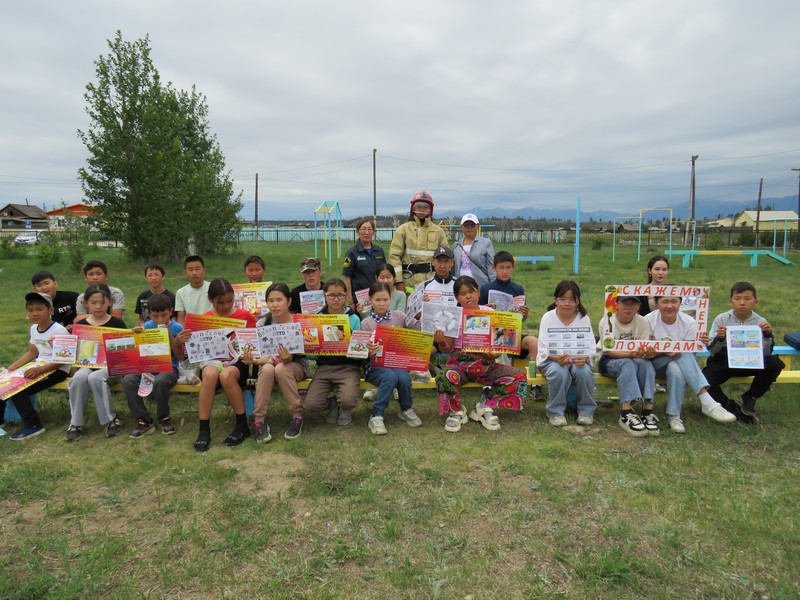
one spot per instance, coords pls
(470, 217)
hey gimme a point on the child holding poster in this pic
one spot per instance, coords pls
(336, 372)
(39, 310)
(743, 300)
(680, 368)
(566, 345)
(97, 299)
(159, 310)
(230, 375)
(385, 273)
(284, 368)
(387, 380)
(509, 385)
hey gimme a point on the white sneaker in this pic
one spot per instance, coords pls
(370, 395)
(719, 414)
(581, 420)
(376, 426)
(660, 389)
(676, 425)
(558, 421)
(410, 417)
(633, 425)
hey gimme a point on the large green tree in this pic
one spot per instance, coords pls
(155, 172)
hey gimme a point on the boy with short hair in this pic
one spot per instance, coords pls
(193, 297)
(254, 269)
(633, 371)
(503, 266)
(39, 308)
(743, 300)
(96, 272)
(311, 270)
(159, 307)
(154, 274)
(64, 303)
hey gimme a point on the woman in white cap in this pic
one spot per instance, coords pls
(474, 255)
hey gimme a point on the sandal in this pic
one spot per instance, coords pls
(454, 421)
(484, 415)
(203, 442)
(236, 437)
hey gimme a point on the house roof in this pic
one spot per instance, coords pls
(81, 209)
(30, 211)
(770, 215)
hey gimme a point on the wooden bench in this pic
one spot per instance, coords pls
(534, 259)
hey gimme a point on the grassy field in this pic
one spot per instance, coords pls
(527, 512)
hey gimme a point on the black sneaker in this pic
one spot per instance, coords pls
(262, 432)
(538, 393)
(295, 427)
(142, 428)
(74, 433)
(114, 427)
(167, 428)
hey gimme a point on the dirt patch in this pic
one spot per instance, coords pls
(269, 474)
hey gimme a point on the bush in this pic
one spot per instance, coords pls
(714, 241)
(747, 238)
(10, 250)
(49, 250)
(76, 238)
(596, 243)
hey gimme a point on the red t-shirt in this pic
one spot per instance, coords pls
(239, 313)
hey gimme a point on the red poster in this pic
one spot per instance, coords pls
(405, 349)
(325, 335)
(491, 331)
(91, 350)
(132, 353)
(12, 382)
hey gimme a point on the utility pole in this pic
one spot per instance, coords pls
(690, 222)
(797, 237)
(374, 191)
(758, 208)
(256, 207)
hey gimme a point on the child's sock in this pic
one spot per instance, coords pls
(205, 425)
(625, 412)
(706, 400)
(646, 412)
(241, 422)
(748, 403)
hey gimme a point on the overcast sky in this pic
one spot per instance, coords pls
(509, 103)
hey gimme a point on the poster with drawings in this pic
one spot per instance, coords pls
(575, 341)
(445, 317)
(210, 344)
(289, 335)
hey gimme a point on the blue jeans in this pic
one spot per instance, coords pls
(387, 380)
(636, 377)
(559, 379)
(679, 371)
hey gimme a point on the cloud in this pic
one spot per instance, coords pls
(510, 104)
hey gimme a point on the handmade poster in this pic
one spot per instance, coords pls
(325, 335)
(132, 353)
(251, 297)
(745, 345)
(404, 349)
(413, 304)
(14, 381)
(358, 343)
(491, 331)
(694, 302)
(441, 316)
(362, 297)
(288, 335)
(575, 341)
(212, 337)
(505, 302)
(65, 349)
(146, 385)
(91, 350)
(312, 302)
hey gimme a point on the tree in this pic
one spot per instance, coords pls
(155, 173)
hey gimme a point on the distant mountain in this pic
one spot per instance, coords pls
(703, 210)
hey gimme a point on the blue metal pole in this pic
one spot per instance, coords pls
(577, 252)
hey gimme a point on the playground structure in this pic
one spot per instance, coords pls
(332, 227)
(687, 255)
(640, 219)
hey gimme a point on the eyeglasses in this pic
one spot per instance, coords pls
(366, 230)
(567, 300)
(469, 224)
(335, 296)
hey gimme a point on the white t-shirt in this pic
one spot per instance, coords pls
(465, 268)
(43, 340)
(637, 329)
(684, 327)
(193, 301)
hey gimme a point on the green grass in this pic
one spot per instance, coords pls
(527, 512)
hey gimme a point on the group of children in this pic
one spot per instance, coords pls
(334, 388)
